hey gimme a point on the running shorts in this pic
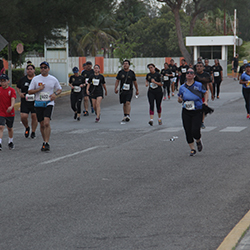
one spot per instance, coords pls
(126, 96)
(7, 120)
(44, 112)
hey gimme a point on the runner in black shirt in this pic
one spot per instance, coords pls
(235, 64)
(242, 69)
(166, 74)
(27, 102)
(207, 67)
(206, 80)
(217, 77)
(76, 82)
(127, 79)
(86, 74)
(183, 70)
(174, 70)
(153, 80)
(95, 86)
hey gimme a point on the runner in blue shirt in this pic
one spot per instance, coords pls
(190, 95)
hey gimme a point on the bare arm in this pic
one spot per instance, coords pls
(136, 87)
(12, 105)
(116, 85)
(20, 93)
(105, 88)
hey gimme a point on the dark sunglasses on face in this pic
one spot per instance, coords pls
(43, 67)
(190, 72)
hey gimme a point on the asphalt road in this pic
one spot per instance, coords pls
(126, 186)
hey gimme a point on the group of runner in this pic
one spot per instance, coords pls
(37, 95)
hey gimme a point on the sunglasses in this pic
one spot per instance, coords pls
(43, 67)
(190, 72)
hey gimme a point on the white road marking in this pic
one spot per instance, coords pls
(70, 155)
(233, 129)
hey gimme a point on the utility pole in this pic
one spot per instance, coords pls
(234, 32)
(225, 27)
(10, 63)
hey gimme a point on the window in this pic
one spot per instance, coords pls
(210, 52)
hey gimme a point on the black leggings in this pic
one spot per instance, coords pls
(246, 95)
(76, 101)
(191, 120)
(155, 95)
(166, 86)
(218, 87)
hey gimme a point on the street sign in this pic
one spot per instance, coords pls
(19, 48)
(239, 41)
(3, 42)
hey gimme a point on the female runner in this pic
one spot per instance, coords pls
(153, 80)
(190, 95)
(95, 90)
(217, 77)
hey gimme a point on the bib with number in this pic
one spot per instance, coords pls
(189, 105)
(77, 89)
(153, 85)
(126, 86)
(216, 74)
(165, 78)
(44, 96)
(184, 70)
(248, 84)
(30, 98)
(96, 82)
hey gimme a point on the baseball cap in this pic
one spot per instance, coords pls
(245, 61)
(46, 63)
(3, 76)
(75, 70)
(248, 65)
(88, 63)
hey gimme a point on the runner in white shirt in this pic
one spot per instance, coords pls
(43, 87)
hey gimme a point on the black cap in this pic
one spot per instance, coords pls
(4, 76)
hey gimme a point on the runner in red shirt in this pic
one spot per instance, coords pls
(7, 112)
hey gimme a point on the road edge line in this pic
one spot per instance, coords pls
(235, 234)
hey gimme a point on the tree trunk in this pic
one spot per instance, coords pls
(182, 47)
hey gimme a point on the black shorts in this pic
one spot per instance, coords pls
(27, 107)
(84, 93)
(126, 96)
(44, 112)
(7, 120)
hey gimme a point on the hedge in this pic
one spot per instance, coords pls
(17, 74)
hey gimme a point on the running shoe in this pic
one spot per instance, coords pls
(43, 147)
(172, 94)
(199, 146)
(86, 113)
(33, 135)
(193, 152)
(27, 132)
(0, 147)
(150, 123)
(248, 116)
(97, 120)
(92, 110)
(78, 118)
(164, 98)
(218, 97)
(203, 125)
(46, 147)
(159, 121)
(75, 115)
(168, 97)
(127, 118)
(124, 119)
(11, 145)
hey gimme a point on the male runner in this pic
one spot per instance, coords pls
(7, 112)
(206, 81)
(174, 70)
(235, 64)
(242, 68)
(43, 87)
(27, 102)
(86, 74)
(183, 70)
(127, 79)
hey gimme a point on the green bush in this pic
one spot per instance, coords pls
(17, 74)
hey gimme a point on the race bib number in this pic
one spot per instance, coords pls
(153, 85)
(44, 96)
(248, 84)
(126, 86)
(77, 89)
(184, 70)
(86, 80)
(96, 82)
(165, 78)
(216, 74)
(189, 105)
(30, 98)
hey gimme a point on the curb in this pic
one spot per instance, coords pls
(236, 233)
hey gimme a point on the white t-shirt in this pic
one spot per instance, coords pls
(51, 85)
